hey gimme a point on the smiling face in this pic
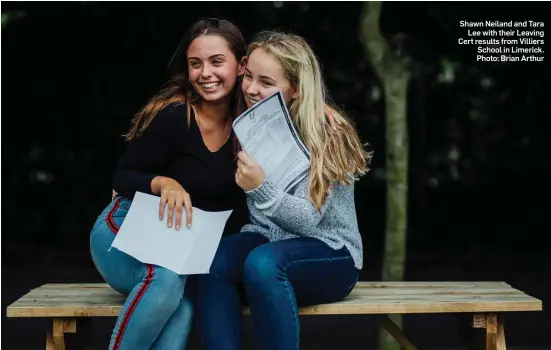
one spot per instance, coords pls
(212, 67)
(263, 77)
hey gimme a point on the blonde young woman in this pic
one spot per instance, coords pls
(301, 247)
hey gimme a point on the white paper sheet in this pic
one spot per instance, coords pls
(186, 251)
(266, 132)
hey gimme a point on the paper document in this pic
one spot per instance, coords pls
(266, 132)
(186, 251)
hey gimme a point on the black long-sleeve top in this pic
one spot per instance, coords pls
(167, 147)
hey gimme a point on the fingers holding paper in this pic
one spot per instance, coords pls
(249, 174)
(174, 198)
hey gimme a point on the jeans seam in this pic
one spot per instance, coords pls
(295, 311)
(312, 260)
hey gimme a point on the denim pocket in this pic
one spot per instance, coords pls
(120, 207)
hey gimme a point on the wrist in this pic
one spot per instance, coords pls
(259, 181)
(157, 184)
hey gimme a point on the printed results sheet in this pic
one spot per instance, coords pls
(266, 132)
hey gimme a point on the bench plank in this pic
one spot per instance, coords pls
(413, 284)
(98, 299)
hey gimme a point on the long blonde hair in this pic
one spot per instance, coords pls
(336, 156)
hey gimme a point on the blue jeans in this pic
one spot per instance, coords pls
(278, 278)
(156, 314)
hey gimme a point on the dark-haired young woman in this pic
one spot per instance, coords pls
(181, 148)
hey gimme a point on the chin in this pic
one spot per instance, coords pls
(215, 97)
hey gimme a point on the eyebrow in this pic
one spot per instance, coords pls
(262, 76)
(211, 57)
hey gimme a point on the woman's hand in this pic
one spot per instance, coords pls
(249, 174)
(173, 194)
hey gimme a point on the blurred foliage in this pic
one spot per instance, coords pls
(75, 72)
(10, 16)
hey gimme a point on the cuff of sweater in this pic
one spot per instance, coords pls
(264, 195)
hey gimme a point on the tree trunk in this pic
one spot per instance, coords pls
(394, 75)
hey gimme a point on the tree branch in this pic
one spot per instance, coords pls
(376, 46)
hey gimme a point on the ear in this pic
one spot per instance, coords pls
(242, 65)
(295, 94)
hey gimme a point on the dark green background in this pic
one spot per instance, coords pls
(74, 73)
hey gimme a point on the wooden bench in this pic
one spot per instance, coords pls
(484, 302)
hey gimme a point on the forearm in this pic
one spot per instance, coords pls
(127, 182)
(147, 156)
(290, 212)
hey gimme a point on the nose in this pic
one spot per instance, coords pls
(206, 72)
(252, 89)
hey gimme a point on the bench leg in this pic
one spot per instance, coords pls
(495, 334)
(397, 333)
(55, 340)
(50, 345)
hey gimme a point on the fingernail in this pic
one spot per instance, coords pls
(160, 217)
(188, 225)
(169, 224)
(177, 227)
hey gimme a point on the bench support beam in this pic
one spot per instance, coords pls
(495, 334)
(493, 324)
(397, 333)
(55, 340)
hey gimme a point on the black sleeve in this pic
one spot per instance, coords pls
(149, 154)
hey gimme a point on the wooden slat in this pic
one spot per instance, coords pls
(357, 291)
(416, 291)
(415, 284)
(353, 298)
(75, 300)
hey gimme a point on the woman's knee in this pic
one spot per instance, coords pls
(166, 287)
(223, 266)
(167, 280)
(263, 264)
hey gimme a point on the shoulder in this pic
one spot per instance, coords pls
(171, 115)
(168, 120)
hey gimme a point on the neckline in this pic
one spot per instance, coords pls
(228, 139)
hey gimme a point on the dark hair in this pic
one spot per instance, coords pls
(178, 89)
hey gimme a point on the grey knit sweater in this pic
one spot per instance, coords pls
(278, 215)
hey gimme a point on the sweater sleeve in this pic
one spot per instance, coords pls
(291, 213)
(149, 154)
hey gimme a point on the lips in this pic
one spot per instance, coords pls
(210, 86)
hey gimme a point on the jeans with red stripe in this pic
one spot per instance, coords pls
(156, 315)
